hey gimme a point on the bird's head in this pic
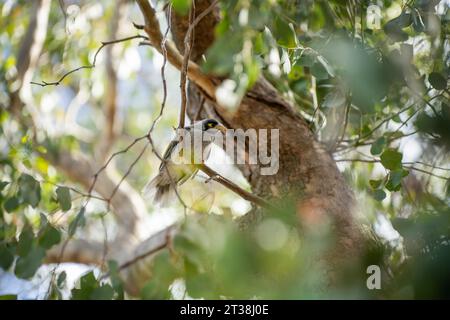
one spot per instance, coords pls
(212, 126)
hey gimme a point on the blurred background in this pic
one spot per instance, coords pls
(370, 77)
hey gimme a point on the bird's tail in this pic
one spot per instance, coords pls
(160, 190)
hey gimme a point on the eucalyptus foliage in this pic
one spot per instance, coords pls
(389, 83)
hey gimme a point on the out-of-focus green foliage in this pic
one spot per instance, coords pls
(390, 83)
(426, 237)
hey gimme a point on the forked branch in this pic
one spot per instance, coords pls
(194, 73)
(90, 66)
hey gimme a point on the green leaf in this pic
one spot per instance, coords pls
(158, 288)
(11, 204)
(41, 149)
(393, 28)
(8, 231)
(220, 56)
(397, 119)
(105, 292)
(181, 6)
(395, 179)
(8, 297)
(391, 159)
(25, 241)
(26, 162)
(27, 266)
(61, 279)
(394, 135)
(43, 222)
(6, 257)
(306, 59)
(375, 184)
(42, 165)
(378, 146)
(437, 80)
(3, 184)
(284, 34)
(24, 139)
(87, 285)
(191, 251)
(326, 65)
(252, 70)
(319, 71)
(295, 73)
(88, 280)
(91, 289)
(116, 280)
(379, 195)
(404, 226)
(77, 222)
(49, 237)
(63, 197)
(29, 190)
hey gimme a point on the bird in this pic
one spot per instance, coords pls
(178, 161)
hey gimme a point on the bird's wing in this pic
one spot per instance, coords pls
(186, 177)
(172, 145)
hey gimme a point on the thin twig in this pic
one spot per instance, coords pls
(188, 44)
(130, 168)
(127, 264)
(183, 74)
(428, 165)
(105, 242)
(104, 44)
(344, 129)
(85, 195)
(405, 166)
(163, 76)
(146, 254)
(358, 140)
(349, 148)
(174, 57)
(427, 172)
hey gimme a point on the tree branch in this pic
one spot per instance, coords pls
(111, 126)
(78, 251)
(233, 187)
(137, 268)
(128, 206)
(184, 67)
(90, 66)
(407, 165)
(194, 73)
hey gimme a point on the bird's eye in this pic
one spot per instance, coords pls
(210, 125)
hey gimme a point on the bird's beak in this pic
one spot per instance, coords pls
(221, 128)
